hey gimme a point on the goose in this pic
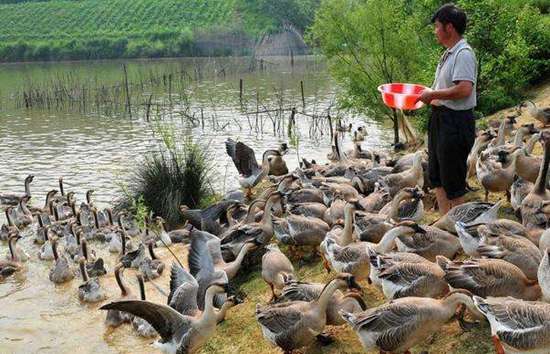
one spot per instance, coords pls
(372, 227)
(140, 324)
(517, 326)
(295, 324)
(61, 271)
(21, 215)
(335, 212)
(492, 174)
(258, 232)
(12, 198)
(40, 237)
(376, 200)
(489, 277)
(300, 230)
(277, 166)
(115, 244)
(276, 268)
(95, 266)
(468, 213)
(516, 250)
(10, 227)
(420, 279)
(519, 189)
(133, 258)
(349, 301)
(480, 143)
(543, 275)
(201, 266)
(378, 259)
(115, 318)
(522, 132)
(398, 325)
(13, 265)
(315, 210)
(406, 205)
(151, 268)
(508, 123)
(46, 250)
(527, 166)
(354, 258)
(183, 295)
(179, 333)
(305, 195)
(346, 235)
(89, 201)
(365, 182)
(90, 290)
(207, 219)
(245, 161)
(409, 178)
(533, 207)
(202, 240)
(50, 197)
(540, 114)
(20, 253)
(426, 241)
(470, 236)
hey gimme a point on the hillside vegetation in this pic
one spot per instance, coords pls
(91, 29)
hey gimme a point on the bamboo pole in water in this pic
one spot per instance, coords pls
(128, 105)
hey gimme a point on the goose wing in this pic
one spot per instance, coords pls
(468, 212)
(243, 157)
(165, 320)
(298, 291)
(279, 318)
(183, 291)
(522, 325)
(392, 322)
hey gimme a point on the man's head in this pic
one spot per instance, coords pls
(450, 23)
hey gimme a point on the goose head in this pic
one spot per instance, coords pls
(347, 281)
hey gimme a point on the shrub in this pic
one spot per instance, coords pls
(179, 173)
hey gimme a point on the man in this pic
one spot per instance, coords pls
(451, 130)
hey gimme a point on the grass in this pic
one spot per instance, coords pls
(179, 173)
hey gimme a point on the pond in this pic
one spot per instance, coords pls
(94, 150)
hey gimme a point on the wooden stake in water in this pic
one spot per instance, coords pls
(303, 97)
(128, 105)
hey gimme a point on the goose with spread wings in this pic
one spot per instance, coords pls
(245, 161)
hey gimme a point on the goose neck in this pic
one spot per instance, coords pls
(540, 183)
(232, 268)
(388, 240)
(347, 233)
(11, 246)
(118, 278)
(83, 271)
(518, 138)
(208, 313)
(326, 294)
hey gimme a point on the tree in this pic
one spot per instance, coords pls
(369, 43)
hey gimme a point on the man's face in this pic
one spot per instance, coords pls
(441, 32)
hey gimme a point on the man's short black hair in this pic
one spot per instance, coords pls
(449, 13)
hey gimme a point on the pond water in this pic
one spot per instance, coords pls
(94, 151)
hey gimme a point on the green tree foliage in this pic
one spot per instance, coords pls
(271, 15)
(371, 42)
(368, 43)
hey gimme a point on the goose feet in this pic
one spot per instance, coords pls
(325, 339)
(498, 346)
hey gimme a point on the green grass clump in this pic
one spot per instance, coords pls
(179, 173)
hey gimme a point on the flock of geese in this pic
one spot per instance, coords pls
(361, 213)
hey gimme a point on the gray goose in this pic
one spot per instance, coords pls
(350, 301)
(179, 333)
(13, 198)
(245, 161)
(540, 114)
(152, 267)
(115, 318)
(489, 277)
(61, 271)
(13, 265)
(183, 295)
(296, 324)
(517, 326)
(276, 268)
(90, 290)
(5, 230)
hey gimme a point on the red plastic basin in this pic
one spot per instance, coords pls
(402, 96)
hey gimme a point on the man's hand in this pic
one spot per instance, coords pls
(426, 96)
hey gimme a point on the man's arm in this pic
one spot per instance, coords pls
(461, 90)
